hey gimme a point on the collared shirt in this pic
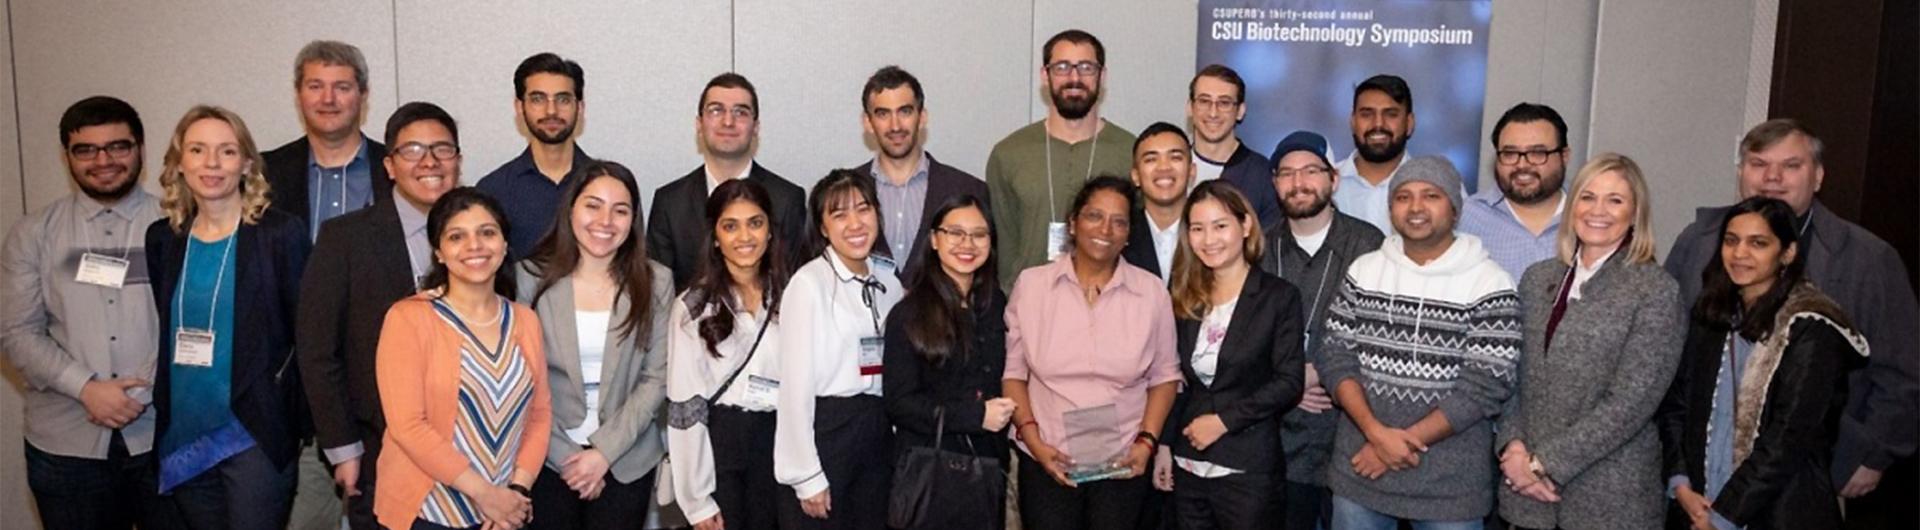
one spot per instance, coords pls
(1362, 199)
(334, 191)
(61, 333)
(413, 223)
(902, 204)
(1076, 356)
(713, 181)
(1582, 273)
(1165, 242)
(531, 200)
(829, 318)
(1490, 216)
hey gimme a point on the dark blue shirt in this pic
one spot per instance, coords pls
(334, 191)
(531, 199)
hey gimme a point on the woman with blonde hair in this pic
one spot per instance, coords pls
(1603, 331)
(227, 454)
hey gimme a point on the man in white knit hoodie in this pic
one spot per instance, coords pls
(1423, 345)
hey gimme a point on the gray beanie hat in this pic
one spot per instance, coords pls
(1432, 170)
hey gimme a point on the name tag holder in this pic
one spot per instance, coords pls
(194, 346)
(102, 270)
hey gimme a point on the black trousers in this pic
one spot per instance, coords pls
(360, 508)
(1308, 507)
(855, 442)
(558, 507)
(1102, 504)
(1240, 500)
(743, 482)
(1893, 504)
(245, 491)
(86, 494)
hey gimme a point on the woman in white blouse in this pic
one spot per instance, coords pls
(723, 334)
(834, 440)
(603, 310)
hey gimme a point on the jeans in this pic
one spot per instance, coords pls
(1350, 515)
(87, 494)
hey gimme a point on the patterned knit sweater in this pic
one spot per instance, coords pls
(1441, 336)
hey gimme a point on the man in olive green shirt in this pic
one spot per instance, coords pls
(1034, 172)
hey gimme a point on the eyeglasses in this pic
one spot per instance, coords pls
(716, 110)
(416, 151)
(540, 99)
(1084, 68)
(1118, 221)
(1222, 104)
(115, 149)
(976, 238)
(1534, 156)
(1305, 172)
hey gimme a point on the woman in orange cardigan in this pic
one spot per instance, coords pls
(463, 382)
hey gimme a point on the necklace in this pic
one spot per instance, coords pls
(463, 317)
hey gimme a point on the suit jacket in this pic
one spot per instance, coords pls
(269, 256)
(1260, 375)
(287, 176)
(678, 232)
(359, 268)
(943, 182)
(1140, 250)
(633, 377)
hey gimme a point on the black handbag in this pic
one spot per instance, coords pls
(935, 488)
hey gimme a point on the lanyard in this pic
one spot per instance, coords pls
(86, 235)
(1052, 213)
(213, 300)
(1280, 265)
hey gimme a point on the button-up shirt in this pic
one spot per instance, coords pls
(903, 206)
(828, 316)
(334, 191)
(413, 223)
(531, 200)
(61, 333)
(1165, 242)
(1362, 199)
(1489, 215)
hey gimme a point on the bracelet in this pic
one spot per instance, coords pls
(522, 490)
(1021, 429)
(1149, 437)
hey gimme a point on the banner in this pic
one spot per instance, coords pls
(1301, 59)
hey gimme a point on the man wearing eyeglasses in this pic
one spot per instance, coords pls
(78, 323)
(1034, 172)
(362, 263)
(727, 121)
(1216, 102)
(1519, 222)
(908, 181)
(333, 169)
(549, 96)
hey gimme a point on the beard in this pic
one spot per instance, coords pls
(559, 137)
(1074, 107)
(1544, 189)
(113, 193)
(1319, 204)
(1377, 155)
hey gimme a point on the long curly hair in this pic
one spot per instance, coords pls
(178, 202)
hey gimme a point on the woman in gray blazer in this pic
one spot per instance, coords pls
(1603, 331)
(603, 308)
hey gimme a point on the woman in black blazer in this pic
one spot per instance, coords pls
(1240, 342)
(226, 280)
(946, 347)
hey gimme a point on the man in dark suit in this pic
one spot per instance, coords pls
(1163, 169)
(728, 122)
(363, 262)
(910, 183)
(333, 169)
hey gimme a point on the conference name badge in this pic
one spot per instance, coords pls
(1056, 239)
(104, 271)
(193, 347)
(871, 355)
(762, 393)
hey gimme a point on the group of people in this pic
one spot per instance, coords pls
(1192, 333)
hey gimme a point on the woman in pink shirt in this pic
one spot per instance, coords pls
(1091, 367)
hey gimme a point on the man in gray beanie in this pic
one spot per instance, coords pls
(1423, 342)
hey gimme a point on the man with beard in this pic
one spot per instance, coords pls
(363, 263)
(333, 169)
(1519, 222)
(727, 121)
(1874, 463)
(1034, 172)
(1216, 102)
(1163, 172)
(549, 96)
(1382, 122)
(1312, 247)
(907, 179)
(79, 324)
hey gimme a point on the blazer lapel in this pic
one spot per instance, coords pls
(390, 249)
(1235, 345)
(617, 353)
(556, 314)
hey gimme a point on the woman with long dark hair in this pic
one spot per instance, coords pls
(946, 347)
(831, 419)
(723, 369)
(603, 308)
(1748, 426)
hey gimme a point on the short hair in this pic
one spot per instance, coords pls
(548, 63)
(834, 191)
(1159, 128)
(1077, 37)
(457, 200)
(731, 80)
(1529, 113)
(1103, 181)
(1223, 73)
(419, 111)
(333, 53)
(100, 110)
(1391, 85)
(1770, 132)
(887, 78)
(1641, 249)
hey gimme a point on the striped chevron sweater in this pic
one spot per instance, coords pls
(1441, 336)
